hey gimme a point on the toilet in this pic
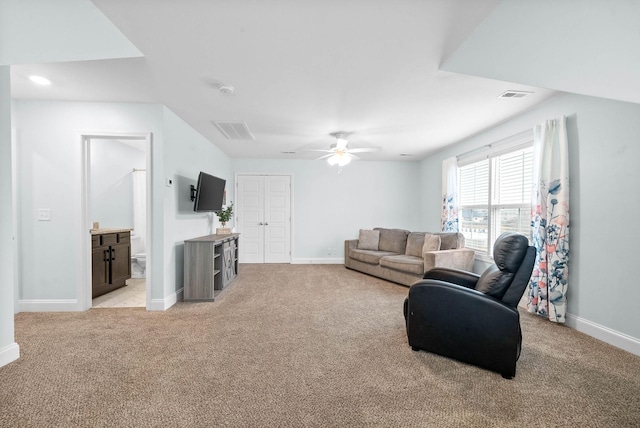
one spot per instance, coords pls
(138, 265)
(139, 258)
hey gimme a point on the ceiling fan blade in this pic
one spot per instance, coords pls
(317, 150)
(354, 157)
(365, 149)
(324, 157)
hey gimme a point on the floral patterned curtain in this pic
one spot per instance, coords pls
(450, 195)
(550, 221)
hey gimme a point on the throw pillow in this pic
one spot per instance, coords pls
(368, 239)
(431, 243)
(415, 244)
(393, 240)
(451, 240)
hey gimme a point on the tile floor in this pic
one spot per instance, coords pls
(132, 295)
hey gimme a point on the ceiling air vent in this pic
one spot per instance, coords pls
(514, 94)
(234, 130)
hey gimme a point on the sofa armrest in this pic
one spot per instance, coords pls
(349, 244)
(460, 258)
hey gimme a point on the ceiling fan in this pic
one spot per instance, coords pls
(339, 153)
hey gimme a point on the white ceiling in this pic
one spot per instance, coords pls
(585, 47)
(301, 70)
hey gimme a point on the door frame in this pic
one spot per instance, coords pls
(290, 175)
(84, 285)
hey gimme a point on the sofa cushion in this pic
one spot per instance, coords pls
(451, 240)
(368, 239)
(394, 240)
(404, 263)
(369, 256)
(415, 242)
(431, 243)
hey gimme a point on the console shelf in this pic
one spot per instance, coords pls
(210, 263)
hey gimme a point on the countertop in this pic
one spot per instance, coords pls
(104, 231)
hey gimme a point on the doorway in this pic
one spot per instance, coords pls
(264, 218)
(117, 197)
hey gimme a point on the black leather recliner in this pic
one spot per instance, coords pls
(473, 318)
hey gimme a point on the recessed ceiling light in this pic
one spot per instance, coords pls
(405, 154)
(288, 153)
(39, 80)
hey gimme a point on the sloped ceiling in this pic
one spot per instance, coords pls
(585, 47)
(62, 30)
(301, 71)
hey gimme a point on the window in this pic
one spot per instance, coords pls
(495, 192)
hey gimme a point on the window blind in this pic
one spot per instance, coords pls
(494, 190)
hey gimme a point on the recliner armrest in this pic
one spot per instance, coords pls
(457, 299)
(454, 276)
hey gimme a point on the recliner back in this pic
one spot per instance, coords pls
(509, 276)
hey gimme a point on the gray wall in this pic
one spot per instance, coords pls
(49, 176)
(330, 206)
(605, 199)
(186, 153)
(8, 349)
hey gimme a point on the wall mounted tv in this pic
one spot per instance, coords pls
(209, 193)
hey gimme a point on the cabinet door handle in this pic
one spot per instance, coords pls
(113, 257)
(266, 224)
(105, 257)
(260, 224)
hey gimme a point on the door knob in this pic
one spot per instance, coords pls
(260, 224)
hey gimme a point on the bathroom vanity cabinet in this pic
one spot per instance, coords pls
(110, 260)
(210, 263)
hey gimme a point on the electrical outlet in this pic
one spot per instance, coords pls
(44, 214)
(330, 251)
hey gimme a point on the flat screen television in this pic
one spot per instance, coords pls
(209, 193)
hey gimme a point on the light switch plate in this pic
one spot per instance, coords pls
(44, 214)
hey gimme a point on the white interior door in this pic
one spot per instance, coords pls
(264, 218)
(250, 218)
(277, 209)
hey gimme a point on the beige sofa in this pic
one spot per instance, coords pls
(402, 256)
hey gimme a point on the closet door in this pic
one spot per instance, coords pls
(250, 218)
(277, 229)
(264, 218)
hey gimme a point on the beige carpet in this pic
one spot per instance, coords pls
(296, 346)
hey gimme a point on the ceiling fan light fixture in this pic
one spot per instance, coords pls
(340, 159)
(344, 161)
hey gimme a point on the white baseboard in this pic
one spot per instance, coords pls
(607, 335)
(9, 353)
(50, 305)
(322, 261)
(167, 302)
